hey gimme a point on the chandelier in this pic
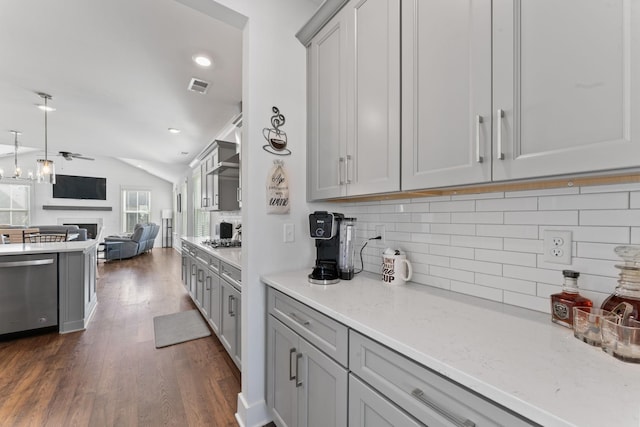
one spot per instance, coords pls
(46, 169)
(17, 171)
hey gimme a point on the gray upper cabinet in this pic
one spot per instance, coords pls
(566, 77)
(521, 89)
(354, 102)
(446, 93)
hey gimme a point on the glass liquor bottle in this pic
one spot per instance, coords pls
(628, 289)
(562, 303)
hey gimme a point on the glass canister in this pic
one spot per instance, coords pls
(347, 248)
(628, 289)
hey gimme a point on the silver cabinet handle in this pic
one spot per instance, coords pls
(232, 310)
(499, 153)
(298, 357)
(341, 168)
(291, 353)
(208, 283)
(299, 320)
(193, 269)
(349, 169)
(239, 194)
(205, 202)
(200, 276)
(231, 279)
(459, 421)
(216, 200)
(479, 120)
(26, 263)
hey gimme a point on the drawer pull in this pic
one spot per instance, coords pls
(299, 320)
(479, 120)
(291, 353)
(298, 357)
(461, 422)
(499, 153)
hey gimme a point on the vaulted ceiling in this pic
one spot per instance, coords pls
(118, 72)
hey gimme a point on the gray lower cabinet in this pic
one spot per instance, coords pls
(306, 386)
(427, 396)
(368, 408)
(230, 325)
(77, 288)
(215, 298)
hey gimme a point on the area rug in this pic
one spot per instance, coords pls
(179, 327)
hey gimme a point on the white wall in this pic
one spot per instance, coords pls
(274, 74)
(118, 175)
(491, 245)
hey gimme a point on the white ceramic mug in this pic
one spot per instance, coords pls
(394, 267)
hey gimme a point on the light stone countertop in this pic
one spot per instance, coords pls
(41, 248)
(232, 256)
(513, 356)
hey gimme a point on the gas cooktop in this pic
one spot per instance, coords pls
(222, 243)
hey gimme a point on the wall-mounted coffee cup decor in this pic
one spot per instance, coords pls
(276, 138)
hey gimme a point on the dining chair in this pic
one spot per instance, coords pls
(38, 237)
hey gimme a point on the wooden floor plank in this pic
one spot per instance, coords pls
(112, 374)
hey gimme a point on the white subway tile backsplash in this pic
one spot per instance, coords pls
(592, 234)
(610, 217)
(477, 266)
(524, 245)
(542, 217)
(491, 245)
(517, 231)
(477, 290)
(452, 251)
(477, 218)
(477, 242)
(443, 217)
(597, 251)
(584, 201)
(506, 257)
(507, 283)
(458, 229)
(502, 205)
(454, 206)
(452, 273)
(530, 273)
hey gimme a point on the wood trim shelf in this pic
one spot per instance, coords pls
(76, 208)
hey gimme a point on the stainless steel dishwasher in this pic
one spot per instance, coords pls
(28, 292)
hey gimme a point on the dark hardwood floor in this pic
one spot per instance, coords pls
(112, 374)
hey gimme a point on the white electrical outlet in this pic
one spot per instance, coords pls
(380, 232)
(288, 233)
(557, 246)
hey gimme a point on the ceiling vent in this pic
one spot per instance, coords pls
(197, 85)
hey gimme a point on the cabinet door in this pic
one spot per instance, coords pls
(567, 79)
(373, 99)
(282, 394)
(367, 408)
(200, 274)
(322, 391)
(215, 303)
(206, 294)
(229, 320)
(185, 269)
(193, 276)
(446, 93)
(326, 156)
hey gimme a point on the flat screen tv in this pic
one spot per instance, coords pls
(80, 187)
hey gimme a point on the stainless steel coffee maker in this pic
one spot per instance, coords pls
(335, 239)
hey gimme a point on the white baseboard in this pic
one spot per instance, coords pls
(254, 415)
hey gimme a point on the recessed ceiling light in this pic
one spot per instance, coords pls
(202, 60)
(174, 130)
(46, 108)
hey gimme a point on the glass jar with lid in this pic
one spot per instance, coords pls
(628, 289)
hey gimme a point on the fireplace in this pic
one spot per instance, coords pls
(92, 229)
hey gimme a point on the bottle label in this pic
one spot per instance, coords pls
(560, 310)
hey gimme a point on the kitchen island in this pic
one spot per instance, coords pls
(76, 277)
(513, 357)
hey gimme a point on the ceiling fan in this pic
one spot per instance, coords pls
(70, 156)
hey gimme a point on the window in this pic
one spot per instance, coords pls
(14, 204)
(136, 208)
(200, 216)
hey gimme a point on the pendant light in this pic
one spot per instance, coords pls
(46, 169)
(17, 171)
